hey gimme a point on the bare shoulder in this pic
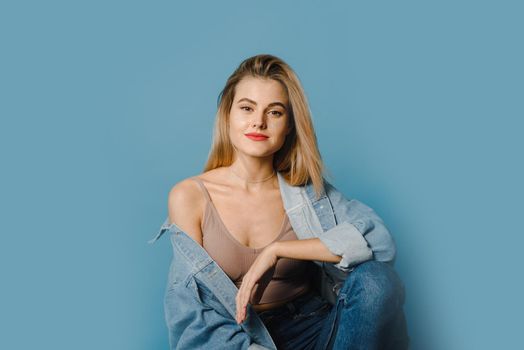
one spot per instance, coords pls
(185, 207)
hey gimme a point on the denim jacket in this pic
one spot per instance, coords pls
(199, 300)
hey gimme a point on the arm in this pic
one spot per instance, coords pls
(183, 201)
(359, 235)
(304, 249)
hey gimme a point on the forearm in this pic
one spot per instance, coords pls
(304, 249)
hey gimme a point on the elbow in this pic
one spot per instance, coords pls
(386, 251)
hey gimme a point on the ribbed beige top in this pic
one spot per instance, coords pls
(288, 278)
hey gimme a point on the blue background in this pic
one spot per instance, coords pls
(105, 105)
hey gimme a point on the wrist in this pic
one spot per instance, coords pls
(274, 249)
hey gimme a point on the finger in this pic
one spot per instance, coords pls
(238, 306)
(242, 300)
(245, 297)
(242, 306)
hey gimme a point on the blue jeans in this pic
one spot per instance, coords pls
(368, 314)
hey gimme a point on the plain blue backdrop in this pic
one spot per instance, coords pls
(105, 105)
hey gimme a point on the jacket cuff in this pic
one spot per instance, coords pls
(346, 241)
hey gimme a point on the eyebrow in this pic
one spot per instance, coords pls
(269, 105)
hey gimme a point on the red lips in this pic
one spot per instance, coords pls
(257, 136)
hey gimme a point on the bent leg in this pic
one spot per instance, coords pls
(369, 310)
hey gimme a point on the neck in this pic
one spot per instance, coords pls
(262, 176)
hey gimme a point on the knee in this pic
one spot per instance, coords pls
(373, 285)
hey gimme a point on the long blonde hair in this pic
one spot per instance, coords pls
(299, 159)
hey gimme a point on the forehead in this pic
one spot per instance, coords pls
(260, 90)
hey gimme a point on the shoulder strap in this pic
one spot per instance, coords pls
(204, 189)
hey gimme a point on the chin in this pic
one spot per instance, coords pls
(258, 154)
(256, 150)
(255, 153)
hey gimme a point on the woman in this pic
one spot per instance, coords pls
(234, 210)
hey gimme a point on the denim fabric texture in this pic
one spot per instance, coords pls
(199, 300)
(368, 315)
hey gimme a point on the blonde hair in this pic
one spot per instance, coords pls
(299, 159)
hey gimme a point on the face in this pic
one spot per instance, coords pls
(259, 107)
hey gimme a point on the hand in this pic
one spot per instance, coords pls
(264, 261)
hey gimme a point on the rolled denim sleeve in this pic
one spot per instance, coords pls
(360, 234)
(347, 241)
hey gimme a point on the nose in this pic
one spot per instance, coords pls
(259, 120)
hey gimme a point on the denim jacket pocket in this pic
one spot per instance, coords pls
(324, 212)
(203, 291)
(207, 298)
(196, 290)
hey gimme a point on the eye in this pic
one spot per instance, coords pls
(249, 108)
(278, 113)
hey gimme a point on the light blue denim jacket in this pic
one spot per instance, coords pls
(199, 298)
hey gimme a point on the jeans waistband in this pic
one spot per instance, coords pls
(291, 305)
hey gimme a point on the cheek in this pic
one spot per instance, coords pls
(236, 123)
(280, 130)
(236, 130)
